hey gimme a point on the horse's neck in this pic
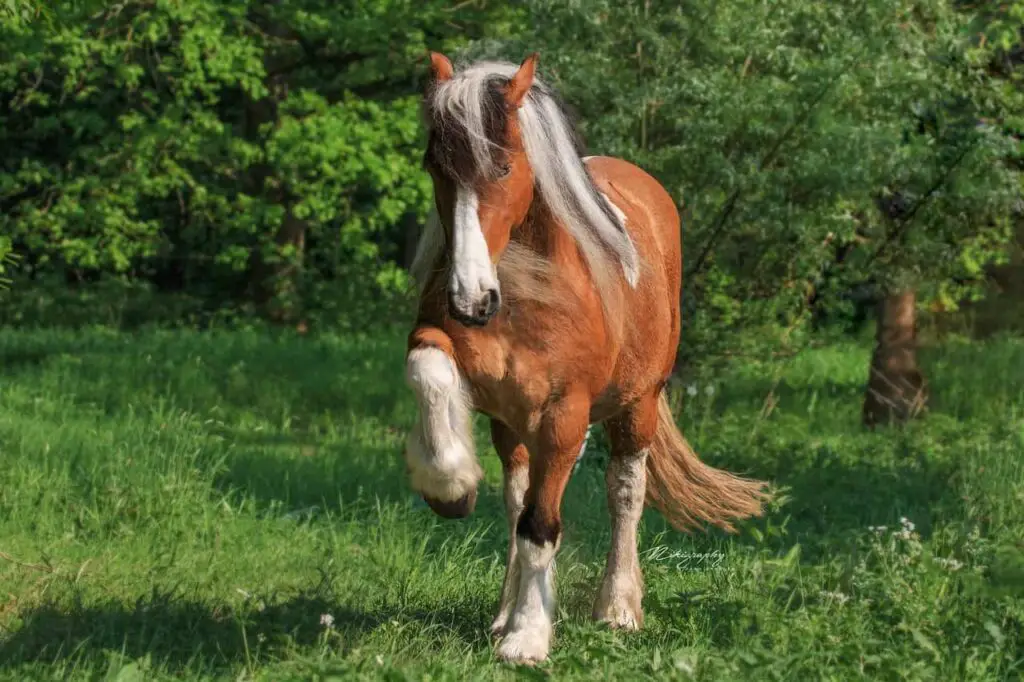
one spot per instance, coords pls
(544, 235)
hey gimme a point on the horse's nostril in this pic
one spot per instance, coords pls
(493, 300)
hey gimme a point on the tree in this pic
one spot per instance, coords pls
(782, 128)
(256, 149)
(896, 389)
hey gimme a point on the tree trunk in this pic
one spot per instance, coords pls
(272, 283)
(896, 391)
(411, 234)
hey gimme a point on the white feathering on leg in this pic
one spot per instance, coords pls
(440, 452)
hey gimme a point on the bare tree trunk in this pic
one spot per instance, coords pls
(896, 391)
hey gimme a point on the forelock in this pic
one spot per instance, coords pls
(467, 119)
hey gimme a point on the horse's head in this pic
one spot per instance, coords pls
(483, 183)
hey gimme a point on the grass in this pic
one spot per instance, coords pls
(184, 505)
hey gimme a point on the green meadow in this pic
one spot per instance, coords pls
(231, 505)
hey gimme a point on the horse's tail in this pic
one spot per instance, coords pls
(686, 491)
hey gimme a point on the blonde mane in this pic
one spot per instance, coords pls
(467, 102)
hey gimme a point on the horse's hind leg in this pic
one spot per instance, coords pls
(619, 600)
(515, 463)
(442, 460)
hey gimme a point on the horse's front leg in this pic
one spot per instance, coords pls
(539, 529)
(515, 464)
(442, 461)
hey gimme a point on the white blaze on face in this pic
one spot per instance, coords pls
(473, 274)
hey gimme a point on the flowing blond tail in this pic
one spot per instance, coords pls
(686, 491)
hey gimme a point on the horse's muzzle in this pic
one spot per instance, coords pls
(476, 314)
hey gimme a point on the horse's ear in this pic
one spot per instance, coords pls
(521, 82)
(440, 67)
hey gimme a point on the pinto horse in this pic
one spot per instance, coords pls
(548, 300)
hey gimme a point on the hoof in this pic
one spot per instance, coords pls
(620, 609)
(524, 648)
(621, 619)
(456, 509)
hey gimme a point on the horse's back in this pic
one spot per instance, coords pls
(651, 215)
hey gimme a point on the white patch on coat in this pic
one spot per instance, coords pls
(473, 274)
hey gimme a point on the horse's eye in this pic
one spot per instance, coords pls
(504, 170)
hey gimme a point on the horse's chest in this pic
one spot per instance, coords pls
(508, 383)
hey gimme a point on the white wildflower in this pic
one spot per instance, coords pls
(710, 390)
(949, 564)
(907, 533)
(686, 664)
(691, 390)
(838, 597)
(327, 620)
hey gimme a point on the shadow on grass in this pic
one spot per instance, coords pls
(838, 483)
(785, 396)
(182, 634)
(306, 469)
(262, 376)
(16, 360)
(299, 474)
(832, 496)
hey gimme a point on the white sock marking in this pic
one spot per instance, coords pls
(619, 600)
(532, 622)
(515, 490)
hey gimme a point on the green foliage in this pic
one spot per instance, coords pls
(780, 128)
(999, 23)
(187, 506)
(21, 11)
(7, 259)
(266, 156)
(191, 142)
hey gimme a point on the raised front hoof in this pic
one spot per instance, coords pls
(524, 647)
(456, 509)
